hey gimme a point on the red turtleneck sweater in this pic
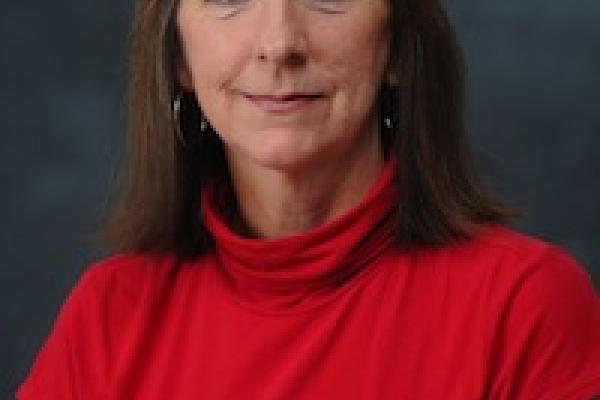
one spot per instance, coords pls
(337, 312)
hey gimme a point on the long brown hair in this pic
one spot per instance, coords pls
(156, 208)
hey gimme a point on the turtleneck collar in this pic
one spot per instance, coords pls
(306, 269)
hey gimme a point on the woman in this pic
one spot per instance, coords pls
(300, 220)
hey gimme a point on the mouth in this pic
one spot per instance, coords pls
(283, 102)
(283, 96)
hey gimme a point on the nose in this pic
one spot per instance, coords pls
(281, 34)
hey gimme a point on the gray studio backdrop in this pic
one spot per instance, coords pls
(534, 111)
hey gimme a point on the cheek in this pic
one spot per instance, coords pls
(355, 51)
(358, 72)
(203, 59)
(211, 60)
(213, 66)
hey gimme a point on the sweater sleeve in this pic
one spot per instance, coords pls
(70, 364)
(548, 343)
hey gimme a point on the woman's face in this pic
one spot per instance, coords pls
(286, 82)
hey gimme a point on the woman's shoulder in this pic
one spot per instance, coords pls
(123, 283)
(118, 281)
(133, 271)
(508, 253)
(500, 264)
(511, 273)
(523, 266)
(505, 241)
(530, 303)
(125, 269)
(543, 313)
(107, 305)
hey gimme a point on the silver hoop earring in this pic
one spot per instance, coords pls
(203, 123)
(389, 107)
(177, 118)
(387, 120)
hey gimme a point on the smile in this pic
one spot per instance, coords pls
(283, 103)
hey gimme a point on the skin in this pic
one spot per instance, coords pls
(296, 170)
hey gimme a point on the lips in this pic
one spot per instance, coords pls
(284, 102)
(283, 97)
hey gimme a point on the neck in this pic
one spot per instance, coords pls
(275, 203)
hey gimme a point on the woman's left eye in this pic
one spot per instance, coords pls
(227, 3)
(331, 6)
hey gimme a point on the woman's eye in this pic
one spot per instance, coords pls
(226, 8)
(331, 6)
(228, 3)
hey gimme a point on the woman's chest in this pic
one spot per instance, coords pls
(377, 341)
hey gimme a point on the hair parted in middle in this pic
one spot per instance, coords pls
(157, 206)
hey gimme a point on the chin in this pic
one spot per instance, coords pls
(284, 151)
(287, 160)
